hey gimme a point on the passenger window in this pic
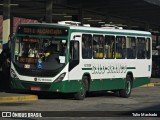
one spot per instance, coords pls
(86, 46)
(141, 46)
(98, 46)
(131, 47)
(120, 47)
(109, 47)
(148, 48)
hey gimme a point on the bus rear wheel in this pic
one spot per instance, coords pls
(127, 90)
(82, 93)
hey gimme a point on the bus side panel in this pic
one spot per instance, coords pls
(107, 84)
(71, 86)
(140, 81)
(142, 72)
(103, 76)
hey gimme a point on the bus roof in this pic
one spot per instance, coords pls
(95, 29)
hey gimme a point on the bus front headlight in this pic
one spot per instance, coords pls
(13, 74)
(60, 78)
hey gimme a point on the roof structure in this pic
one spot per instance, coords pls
(131, 13)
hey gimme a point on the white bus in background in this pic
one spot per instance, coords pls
(76, 59)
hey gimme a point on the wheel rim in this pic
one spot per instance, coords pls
(128, 87)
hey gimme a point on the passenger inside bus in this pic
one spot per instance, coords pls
(120, 47)
(25, 49)
(141, 48)
(86, 47)
(33, 52)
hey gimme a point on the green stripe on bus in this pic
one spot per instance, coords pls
(131, 67)
(86, 68)
(91, 68)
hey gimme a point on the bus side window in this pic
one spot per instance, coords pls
(98, 46)
(148, 48)
(141, 45)
(86, 46)
(109, 47)
(74, 54)
(74, 50)
(131, 47)
(120, 47)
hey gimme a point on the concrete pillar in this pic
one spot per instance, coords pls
(11, 24)
(6, 20)
(49, 7)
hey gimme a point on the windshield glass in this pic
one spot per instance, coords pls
(40, 53)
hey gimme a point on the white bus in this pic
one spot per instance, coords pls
(76, 59)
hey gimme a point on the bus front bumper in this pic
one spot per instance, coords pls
(63, 86)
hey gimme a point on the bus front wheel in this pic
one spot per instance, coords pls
(82, 93)
(127, 90)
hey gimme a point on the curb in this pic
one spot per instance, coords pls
(151, 84)
(18, 98)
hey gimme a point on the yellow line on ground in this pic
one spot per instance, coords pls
(148, 85)
(18, 98)
(151, 84)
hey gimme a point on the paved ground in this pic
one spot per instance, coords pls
(143, 99)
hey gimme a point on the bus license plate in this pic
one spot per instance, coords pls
(35, 88)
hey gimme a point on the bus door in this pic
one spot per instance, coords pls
(74, 61)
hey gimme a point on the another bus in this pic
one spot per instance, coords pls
(76, 59)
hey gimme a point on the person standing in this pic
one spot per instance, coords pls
(5, 58)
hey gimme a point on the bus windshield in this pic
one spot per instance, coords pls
(40, 53)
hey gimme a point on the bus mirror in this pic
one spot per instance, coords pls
(62, 59)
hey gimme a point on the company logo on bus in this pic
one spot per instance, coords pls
(35, 79)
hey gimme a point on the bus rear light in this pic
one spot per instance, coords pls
(60, 78)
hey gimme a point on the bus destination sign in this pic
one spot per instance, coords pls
(34, 40)
(36, 30)
(28, 60)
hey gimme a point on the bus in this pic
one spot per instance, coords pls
(76, 59)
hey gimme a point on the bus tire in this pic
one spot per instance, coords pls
(127, 90)
(81, 95)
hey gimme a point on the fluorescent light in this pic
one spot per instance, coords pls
(101, 22)
(121, 25)
(10, 4)
(59, 14)
(86, 25)
(95, 20)
(68, 16)
(87, 18)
